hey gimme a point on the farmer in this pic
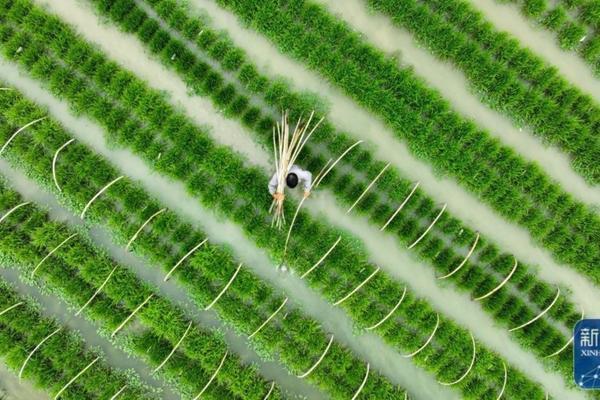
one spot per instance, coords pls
(294, 176)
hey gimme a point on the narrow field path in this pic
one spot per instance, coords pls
(174, 195)
(507, 17)
(153, 275)
(510, 237)
(52, 307)
(452, 84)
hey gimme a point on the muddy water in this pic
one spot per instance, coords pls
(506, 17)
(154, 276)
(12, 389)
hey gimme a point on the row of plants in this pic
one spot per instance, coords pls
(220, 179)
(575, 22)
(432, 130)
(420, 210)
(291, 336)
(524, 62)
(76, 274)
(63, 354)
(498, 85)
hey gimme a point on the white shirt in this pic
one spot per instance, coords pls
(303, 176)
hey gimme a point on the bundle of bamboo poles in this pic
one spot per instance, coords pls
(287, 145)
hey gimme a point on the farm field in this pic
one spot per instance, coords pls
(154, 245)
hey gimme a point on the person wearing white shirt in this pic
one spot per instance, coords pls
(294, 176)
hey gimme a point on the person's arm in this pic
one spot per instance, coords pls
(273, 184)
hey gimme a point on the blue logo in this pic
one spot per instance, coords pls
(587, 353)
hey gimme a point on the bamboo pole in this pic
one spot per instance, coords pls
(362, 385)
(491, 292)
(89, 203)
(368, 188)
(6, 89)
(505, 381)
(118, 393)
(183, 259)
(214, 375)
(540, 315)
(52, 252)
(11, 308)
(208, 307)
(268, 319)
(75, 378)
(19, 131)
(270, 391)
(321, 259)
(428, 228)
(143, 226)
(54, 159)
(414, 353)
(97, 291)
(174, 348)
(36, 349)
(356, 289)
(463, 376)
(131, 315)
(568, 343)
(316, 364)
(400, 207)
(12, 210)
(389, 314)
(464, 261)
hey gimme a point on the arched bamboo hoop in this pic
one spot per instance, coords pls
(364, 382)
(214, 375)
(138, 308)
(494, 290)
(143, 226)
(11, 308)
(118, 393)
(54, 159)
(12, 210)
(464, 261)
(420, 349)
(208, 307)
(52, 252)
(321, 259)
(557, 352)
(505, 381)
(105, 188)
(6, 88)
(356, 289)
(400, 207)
(75, 378)
(318, 181)
(10, 139)
(268, 319)
(97, 291)
(463, 376)
(389, 314)
(183, 259)
(174, 348)
(428, 228)
(36, 348)
(540, 315)
(270, 391)
(316, 364)
(368, 188)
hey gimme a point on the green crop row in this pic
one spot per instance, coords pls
(528, 66)
(442, 256)
(499, 86)
(219, 178)
(78, 270)
(421, 117)
(60, 357)
(573, 21)
(291, 336)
